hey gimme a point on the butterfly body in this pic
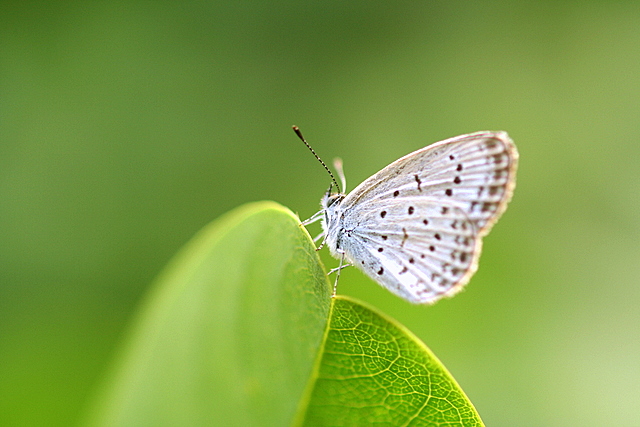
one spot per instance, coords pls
(416, 226)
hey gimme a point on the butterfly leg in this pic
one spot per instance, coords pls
(318, 237)
(314, 218)
(337, 271)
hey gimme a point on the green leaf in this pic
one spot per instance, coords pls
(230, 333)
(374, 371)
(240, 330)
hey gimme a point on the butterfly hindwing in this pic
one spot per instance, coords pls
(418, 249)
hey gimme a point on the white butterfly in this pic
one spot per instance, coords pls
(416, 226)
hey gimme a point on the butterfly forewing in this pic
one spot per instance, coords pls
(475, 172)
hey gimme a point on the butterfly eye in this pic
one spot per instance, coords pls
(327, 200)
(330, 200)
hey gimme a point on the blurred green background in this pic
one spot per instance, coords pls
(127, 126)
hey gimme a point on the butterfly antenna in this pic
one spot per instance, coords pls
(296, 129)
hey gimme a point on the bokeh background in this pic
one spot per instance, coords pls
(127, 126)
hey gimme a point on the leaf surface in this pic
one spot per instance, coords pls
(240, 330)
(374, 371)
(230, 332)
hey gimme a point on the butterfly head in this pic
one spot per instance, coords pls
(330, 199)
(330, 204)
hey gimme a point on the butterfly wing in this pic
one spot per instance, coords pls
(416, 226)
(475, 172)
(420, 256)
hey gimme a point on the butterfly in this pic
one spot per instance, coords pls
(416, 226)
